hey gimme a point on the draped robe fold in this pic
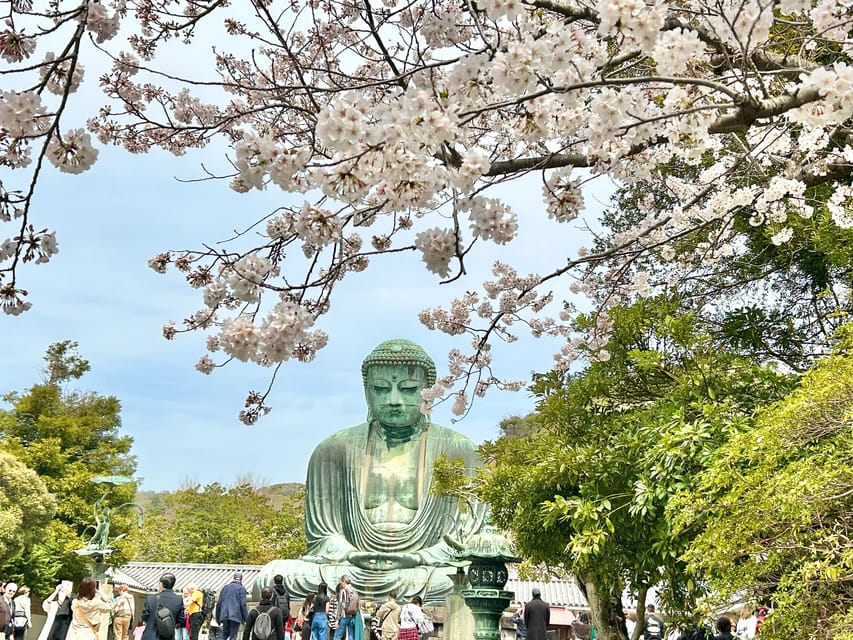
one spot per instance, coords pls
(336, 522)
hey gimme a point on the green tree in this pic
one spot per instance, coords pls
(518, 426)
(775, 510)
(26, 507)
(215, 524)
(286, 535)
(774, 302)
(67, 437)
(588, 492)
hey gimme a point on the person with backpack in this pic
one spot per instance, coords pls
(281, 596)
(653, 627)
(349, 606)
(265, 622)
(163, 610)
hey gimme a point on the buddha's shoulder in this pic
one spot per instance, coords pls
(345, 435)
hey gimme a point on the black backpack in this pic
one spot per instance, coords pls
(282, 601)
(164, 621)
(208, 602)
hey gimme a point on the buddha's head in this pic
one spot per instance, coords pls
(394, 375)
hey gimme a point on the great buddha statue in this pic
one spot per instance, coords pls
(369, 512)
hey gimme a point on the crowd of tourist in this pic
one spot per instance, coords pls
(327, 614)
(532, 619)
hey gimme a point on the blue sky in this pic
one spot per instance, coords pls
(100, 292)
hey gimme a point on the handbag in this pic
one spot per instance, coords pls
(20, 619)
(425, 626)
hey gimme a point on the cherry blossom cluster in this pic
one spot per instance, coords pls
(31, 120)
(393, 129)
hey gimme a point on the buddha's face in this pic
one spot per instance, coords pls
(394, 393)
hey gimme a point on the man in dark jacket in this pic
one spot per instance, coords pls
(7, 610)
(280, 596)
(169, 599)
(231, 610)
(537, 615)
(724, 629)
(265, 606)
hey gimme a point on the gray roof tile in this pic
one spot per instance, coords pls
(144, 576)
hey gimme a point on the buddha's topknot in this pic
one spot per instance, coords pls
(396, 352)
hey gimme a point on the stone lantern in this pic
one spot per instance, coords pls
(488, 552)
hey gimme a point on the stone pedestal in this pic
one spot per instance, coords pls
(458, 620)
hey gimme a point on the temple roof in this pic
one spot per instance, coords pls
(144, 576)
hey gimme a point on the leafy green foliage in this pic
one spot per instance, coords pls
(779, 303)
(518, 426)
(67, 438)
(63, 363)
(26, 506)
(776, 508)
(215, 524)
(590, 491)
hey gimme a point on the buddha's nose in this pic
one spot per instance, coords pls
(394, 397)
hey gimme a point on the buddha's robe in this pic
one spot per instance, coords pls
(362, 496)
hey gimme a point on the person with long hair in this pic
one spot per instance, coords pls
(304, 619)
(320, 622)
(87, 611)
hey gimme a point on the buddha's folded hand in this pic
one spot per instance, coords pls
(384, 561)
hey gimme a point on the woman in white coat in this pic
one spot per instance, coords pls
(87, 611)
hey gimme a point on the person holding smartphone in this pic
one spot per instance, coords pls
(87, 611)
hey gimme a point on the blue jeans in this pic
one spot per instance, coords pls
(345, 625)
(320, 627)
(181, 633)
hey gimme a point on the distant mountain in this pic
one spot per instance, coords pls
(151, 500)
